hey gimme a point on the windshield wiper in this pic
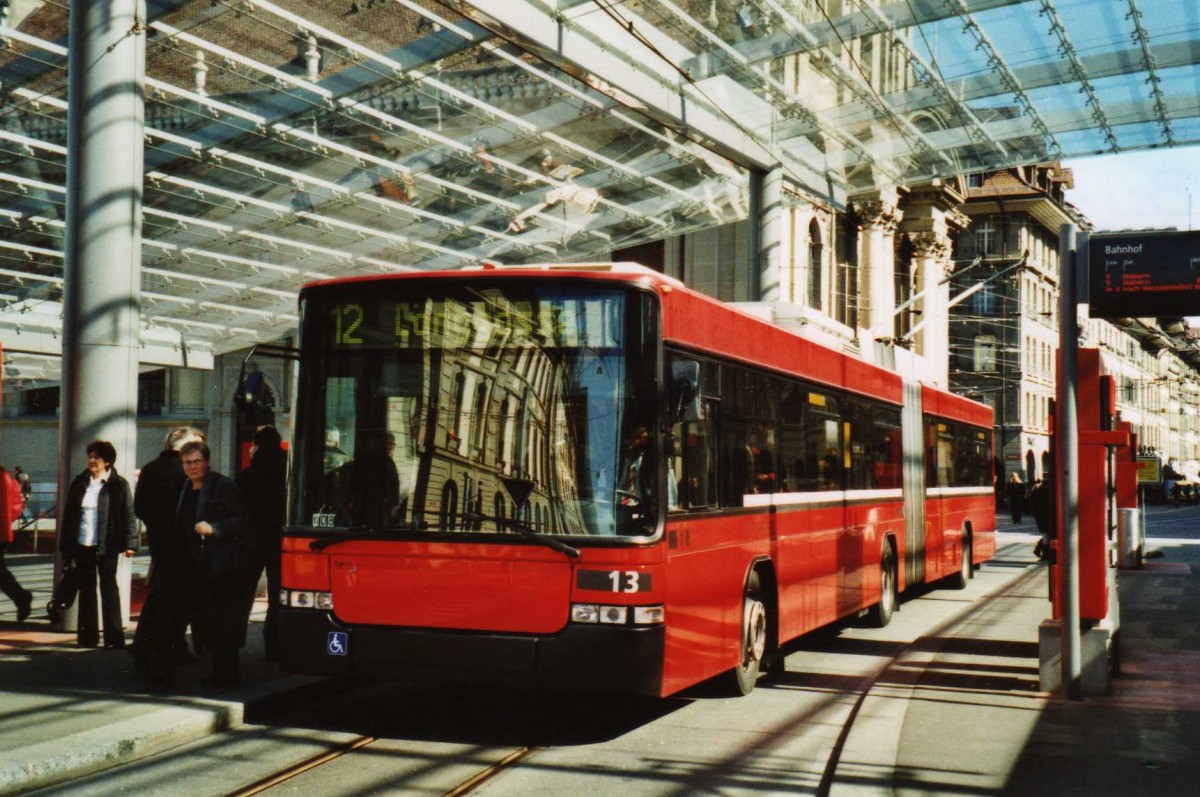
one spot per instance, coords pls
(363, 533)
(523, 528)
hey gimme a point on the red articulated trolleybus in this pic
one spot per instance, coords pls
(590, 477)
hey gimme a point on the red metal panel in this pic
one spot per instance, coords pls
(956, 408)
(474, 587)
(707, 571)
(703, 324)
(947, 517)
(301, 569)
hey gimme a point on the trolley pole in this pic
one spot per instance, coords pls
(1067, 430)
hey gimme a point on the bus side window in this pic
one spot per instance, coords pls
(693, 464)
(856, 423)
(931, 451)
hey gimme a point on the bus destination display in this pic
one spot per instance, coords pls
(1144, 274)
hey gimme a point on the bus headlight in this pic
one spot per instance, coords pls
(306, 599)
(648, 615)
(585, 613)
(616, 615)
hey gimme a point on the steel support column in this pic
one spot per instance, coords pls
(101, 287)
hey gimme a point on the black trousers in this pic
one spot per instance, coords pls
(92, 566)
(219, 618)
(271, 626)
(271, 564)
(8, 583)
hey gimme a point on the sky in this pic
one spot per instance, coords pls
(1154, 189)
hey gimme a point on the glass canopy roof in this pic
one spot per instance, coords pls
(288, 141)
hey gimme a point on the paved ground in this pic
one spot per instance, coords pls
(959, 712)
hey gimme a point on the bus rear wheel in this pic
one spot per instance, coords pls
(881, 613)
(753, 645)
(966, 564)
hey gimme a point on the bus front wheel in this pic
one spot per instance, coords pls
(753, 644)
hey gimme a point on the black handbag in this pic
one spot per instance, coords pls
(65, 591)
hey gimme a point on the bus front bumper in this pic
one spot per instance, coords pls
(580, 658)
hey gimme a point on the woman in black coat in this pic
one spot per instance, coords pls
(213, 517)
(98, 526)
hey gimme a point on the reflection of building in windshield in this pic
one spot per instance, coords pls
(503, 440)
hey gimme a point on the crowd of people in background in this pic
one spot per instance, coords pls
(210, 538)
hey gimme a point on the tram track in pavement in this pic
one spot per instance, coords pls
(307, 765)
(1008, 589)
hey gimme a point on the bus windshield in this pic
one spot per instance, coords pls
(501, 406)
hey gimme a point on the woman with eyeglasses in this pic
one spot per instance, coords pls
(98, 527)
(213, 515)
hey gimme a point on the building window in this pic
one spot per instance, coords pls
(985, 352)
(985, 238)
(41, 401)
(152, 392)
(478, 435)
(815, 256)
(455, 430)
(984, 301)
(905, 280)
(448, 511)
(846, 255)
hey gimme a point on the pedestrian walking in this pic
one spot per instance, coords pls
(264, 484)
(11, 504)
(160, 644)
(26, 485)
(212, 514)
(1042, 506)
(99, 526)
(1016, 497)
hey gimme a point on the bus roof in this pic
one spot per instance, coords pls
(619, 271)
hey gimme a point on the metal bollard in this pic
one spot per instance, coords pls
(1129, 531)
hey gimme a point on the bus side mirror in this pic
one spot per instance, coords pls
(685, 391)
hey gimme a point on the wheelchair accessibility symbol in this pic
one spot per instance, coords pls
(338, 644)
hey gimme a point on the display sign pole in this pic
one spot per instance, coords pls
(1066, 425)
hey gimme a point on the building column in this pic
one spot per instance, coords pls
(770, 237)
(931, 251)
(102, 272)
(877, 265)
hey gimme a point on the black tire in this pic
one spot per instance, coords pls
(966, 564)
(753, 643)
(881, 613)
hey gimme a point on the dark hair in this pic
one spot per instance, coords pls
(267, 436)
(196, 445)
(104, 450)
